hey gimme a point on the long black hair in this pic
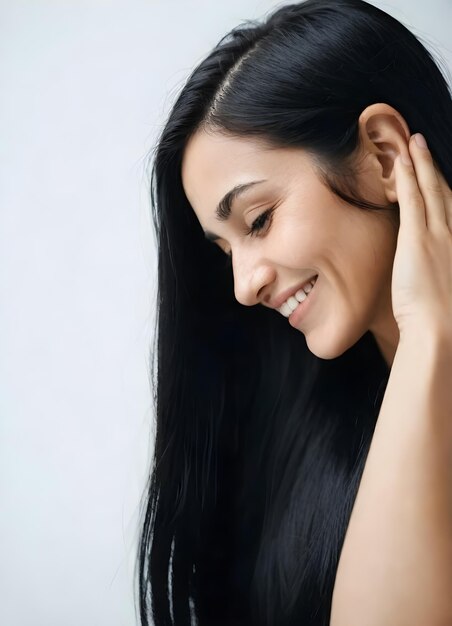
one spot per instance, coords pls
(260, 445)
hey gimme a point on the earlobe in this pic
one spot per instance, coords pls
(384, 135)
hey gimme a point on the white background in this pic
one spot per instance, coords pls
(84, 88)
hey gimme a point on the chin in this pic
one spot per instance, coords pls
(325, 354)
(328, 347)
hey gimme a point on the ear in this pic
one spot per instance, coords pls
(384, 135)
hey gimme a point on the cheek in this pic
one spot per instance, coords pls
(369, 241)
(380, 247)
(299, 244)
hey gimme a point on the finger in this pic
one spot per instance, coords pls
(409, 197)
(447, 193)
(428, 183)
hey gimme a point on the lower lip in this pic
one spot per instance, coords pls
(299, 313)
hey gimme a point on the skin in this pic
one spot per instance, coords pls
(394, 279)
(396, 561)
(311, 230)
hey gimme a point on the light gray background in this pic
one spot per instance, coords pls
(84, 88)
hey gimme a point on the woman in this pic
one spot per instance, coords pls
(304, 293)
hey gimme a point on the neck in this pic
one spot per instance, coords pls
(387, 336)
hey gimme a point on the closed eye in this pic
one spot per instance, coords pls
(261, 221)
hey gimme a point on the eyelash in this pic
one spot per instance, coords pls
(260, 221)
(258, 225)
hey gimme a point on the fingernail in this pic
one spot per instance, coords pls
(420, 140)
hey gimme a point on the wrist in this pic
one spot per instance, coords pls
(431, 338)
(422, 366)
(424, 356)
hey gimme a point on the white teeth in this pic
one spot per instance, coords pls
(301, 295)
(285, 309)
(291, 303)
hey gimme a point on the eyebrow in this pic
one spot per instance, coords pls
(224, 208)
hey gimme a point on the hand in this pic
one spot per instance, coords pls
(422, 271)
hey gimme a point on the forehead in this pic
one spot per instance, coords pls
(213, 163)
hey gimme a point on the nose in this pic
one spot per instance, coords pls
(252, 279)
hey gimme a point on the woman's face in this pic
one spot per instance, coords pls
(310, 231)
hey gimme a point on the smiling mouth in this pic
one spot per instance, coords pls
(299, 296)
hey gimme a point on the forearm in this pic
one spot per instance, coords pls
(395, 567)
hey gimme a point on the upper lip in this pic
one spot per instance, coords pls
(283, 296)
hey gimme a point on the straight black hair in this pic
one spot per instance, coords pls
(260, 445)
